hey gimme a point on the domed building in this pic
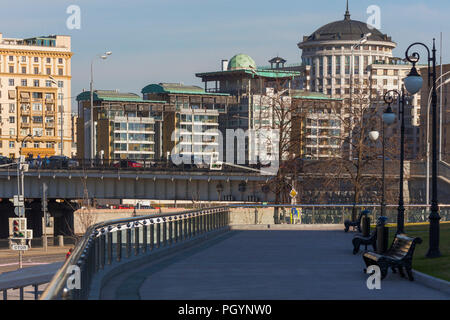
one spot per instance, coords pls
(329, 51)
(241, 61)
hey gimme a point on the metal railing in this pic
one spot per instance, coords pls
(120, 240)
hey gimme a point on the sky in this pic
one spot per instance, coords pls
(156, 41)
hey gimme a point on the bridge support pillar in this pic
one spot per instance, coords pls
(34, 217)
(6, 212)
(62, 214)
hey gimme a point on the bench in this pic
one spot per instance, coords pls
(397, 257)
(359, 240)
(357, 223)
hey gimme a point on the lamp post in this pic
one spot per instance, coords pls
(388, 98)
(413, 83)
(388, 119)
(104, 56)
(20, 176)
(352, 64)
(61, 111)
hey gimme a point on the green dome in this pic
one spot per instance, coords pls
(241, 61)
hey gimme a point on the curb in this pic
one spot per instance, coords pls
(432, 282)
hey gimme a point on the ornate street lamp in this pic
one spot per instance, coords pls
(388, 119)
(413, 83)
(388, 98)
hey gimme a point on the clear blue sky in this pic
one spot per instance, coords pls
(170, 40)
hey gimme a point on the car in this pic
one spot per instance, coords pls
(125, 163)
(5, 160)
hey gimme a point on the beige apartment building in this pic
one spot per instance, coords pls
(35, 85)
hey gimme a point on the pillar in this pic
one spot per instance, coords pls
(34, 215)
(62, 213)
(6, 212)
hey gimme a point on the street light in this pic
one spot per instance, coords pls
(413, 83)
(61, 113)
(103, 57)
(388, 119)
(388, 98)
(361, 41)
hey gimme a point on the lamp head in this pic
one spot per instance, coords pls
(388, 116)
(108, 53)
(373, 135)
(413, 81)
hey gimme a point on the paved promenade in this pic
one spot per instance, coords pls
(269, 264)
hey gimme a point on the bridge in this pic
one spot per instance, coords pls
(206, 254)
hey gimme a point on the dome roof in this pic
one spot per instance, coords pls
(241, 61)
(347, 29)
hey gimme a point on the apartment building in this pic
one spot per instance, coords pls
(190, 126)
(125, 126)
(35, 88)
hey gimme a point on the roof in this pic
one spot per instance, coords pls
(301, 94)
(263, 73)
(241, 61)
(113, 95)
(177, 88)
(346, 29)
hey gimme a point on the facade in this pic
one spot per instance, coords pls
(125, 126)
(31, 102)
(260, 95)
(317, 127)
(345, 66)
(190, 126)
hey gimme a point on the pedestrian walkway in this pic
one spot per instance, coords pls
(269, 264)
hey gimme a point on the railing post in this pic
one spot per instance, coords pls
(152, 235)
(128, 242)
(185, 227)
(158, 233)
(36, 292)
(110, 239)
(175, 229)
(164, 242)
(180, 226)
(21, 293)
(136, 240)
(96, 256)
(190, 225)
(102, 249)
(144, 237)
(119, 245)
(170, 231)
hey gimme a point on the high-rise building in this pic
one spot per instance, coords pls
(35, 88)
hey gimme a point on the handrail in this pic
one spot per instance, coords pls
(83, 256)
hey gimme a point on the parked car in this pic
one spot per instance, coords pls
(127, 164)
(59, 162)
(5, 160)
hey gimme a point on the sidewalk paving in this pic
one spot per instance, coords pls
(263, 265)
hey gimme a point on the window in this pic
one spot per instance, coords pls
(11, 58)
(11, 82)
(24, 82)
(395, 72)
(36, 83)
(385, 82)
(49, 145)
(49, 60)
(60, 60)
(60, 84)
(49, 132)
(385, 72)
(36, 59)
(37, 107)
(12, 132)
(49, 70)
(60, 72)
(36, 144)
(12, 107)
(11, 69)
(11, 144)
(12, 119)
(24, 59)
(37, 119)
(24, 69)
(48, 83)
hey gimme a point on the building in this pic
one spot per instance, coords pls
(125, 126)
(317, 127)
(261, 95)
(35, 89)
(349, 60)
(190, 126)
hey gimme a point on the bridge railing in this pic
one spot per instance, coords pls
(121, 240)
(327, 213)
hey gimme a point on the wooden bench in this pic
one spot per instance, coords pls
(357, 223)
(359, 240)
(398, 256)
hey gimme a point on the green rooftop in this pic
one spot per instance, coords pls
(177, 88)
(113, 95)
(301, 94)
